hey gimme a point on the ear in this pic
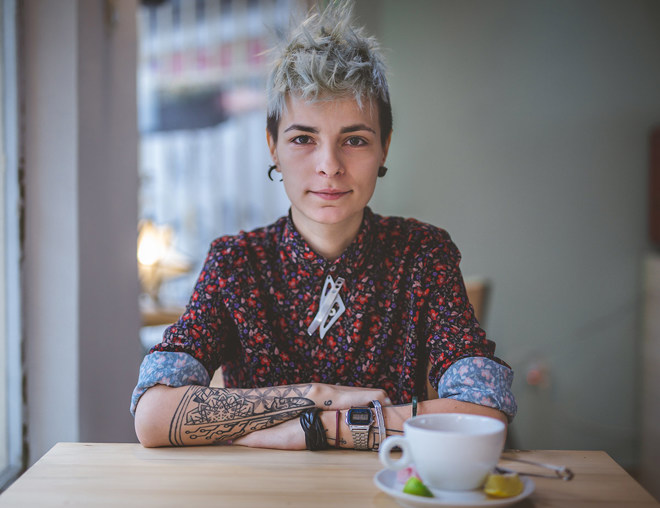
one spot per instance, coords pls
(386, 148)
(272, 147)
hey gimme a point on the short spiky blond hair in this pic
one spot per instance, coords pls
(326, 57)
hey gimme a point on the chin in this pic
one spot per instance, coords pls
(332, 215)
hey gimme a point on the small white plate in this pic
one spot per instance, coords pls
(386, 481)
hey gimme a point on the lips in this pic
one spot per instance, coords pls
(330, 194)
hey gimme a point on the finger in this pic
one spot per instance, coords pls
(378, 395)
(383, 398)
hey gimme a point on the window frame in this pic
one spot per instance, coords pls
(10, 242)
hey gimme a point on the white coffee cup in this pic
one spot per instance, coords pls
(449, 451)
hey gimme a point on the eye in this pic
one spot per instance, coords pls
(356, 141)
(302, 140)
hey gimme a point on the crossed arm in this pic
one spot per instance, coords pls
(289, 435)
(266, 417)
(199, 415)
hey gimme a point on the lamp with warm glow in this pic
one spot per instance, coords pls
(157, 258)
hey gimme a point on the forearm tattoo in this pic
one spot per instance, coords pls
(213, 415)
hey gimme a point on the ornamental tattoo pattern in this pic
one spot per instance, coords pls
(213, 415)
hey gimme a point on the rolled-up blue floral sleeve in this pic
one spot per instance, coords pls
(482, 381)
(170, 369)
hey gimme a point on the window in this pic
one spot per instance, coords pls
(11, 441)
(201, 89)
(202, 114)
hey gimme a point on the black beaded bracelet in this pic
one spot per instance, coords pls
(315, 437)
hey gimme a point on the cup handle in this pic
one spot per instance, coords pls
(385, 449)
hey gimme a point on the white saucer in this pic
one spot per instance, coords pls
(386, 481)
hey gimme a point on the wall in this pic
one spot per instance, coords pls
(522, 128)
(80, 273)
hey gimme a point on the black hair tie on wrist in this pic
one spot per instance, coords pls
(315, 438)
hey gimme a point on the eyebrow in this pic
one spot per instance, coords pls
(350, 128)
(299, 127)
(357, 127)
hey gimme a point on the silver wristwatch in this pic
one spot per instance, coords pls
(359, 420)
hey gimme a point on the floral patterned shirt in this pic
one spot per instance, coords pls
(405, 309)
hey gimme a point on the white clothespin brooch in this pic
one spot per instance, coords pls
(331, 306)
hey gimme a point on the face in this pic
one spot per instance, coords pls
(328, 153)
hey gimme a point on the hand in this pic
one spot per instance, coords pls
(333, 397)
(285, 436)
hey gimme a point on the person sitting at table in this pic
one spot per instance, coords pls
(328, 322)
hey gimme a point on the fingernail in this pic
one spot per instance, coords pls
(388, 401)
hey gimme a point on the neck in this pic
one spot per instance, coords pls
(328, 240)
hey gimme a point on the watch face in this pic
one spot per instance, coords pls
(359, 416)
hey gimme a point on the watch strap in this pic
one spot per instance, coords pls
(360, 437)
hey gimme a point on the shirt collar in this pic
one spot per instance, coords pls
(296, 248)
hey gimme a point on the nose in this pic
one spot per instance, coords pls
(329, 163)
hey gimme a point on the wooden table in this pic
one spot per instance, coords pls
(125, 475)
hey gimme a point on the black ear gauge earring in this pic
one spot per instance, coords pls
(381, 171)
(271, 168)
